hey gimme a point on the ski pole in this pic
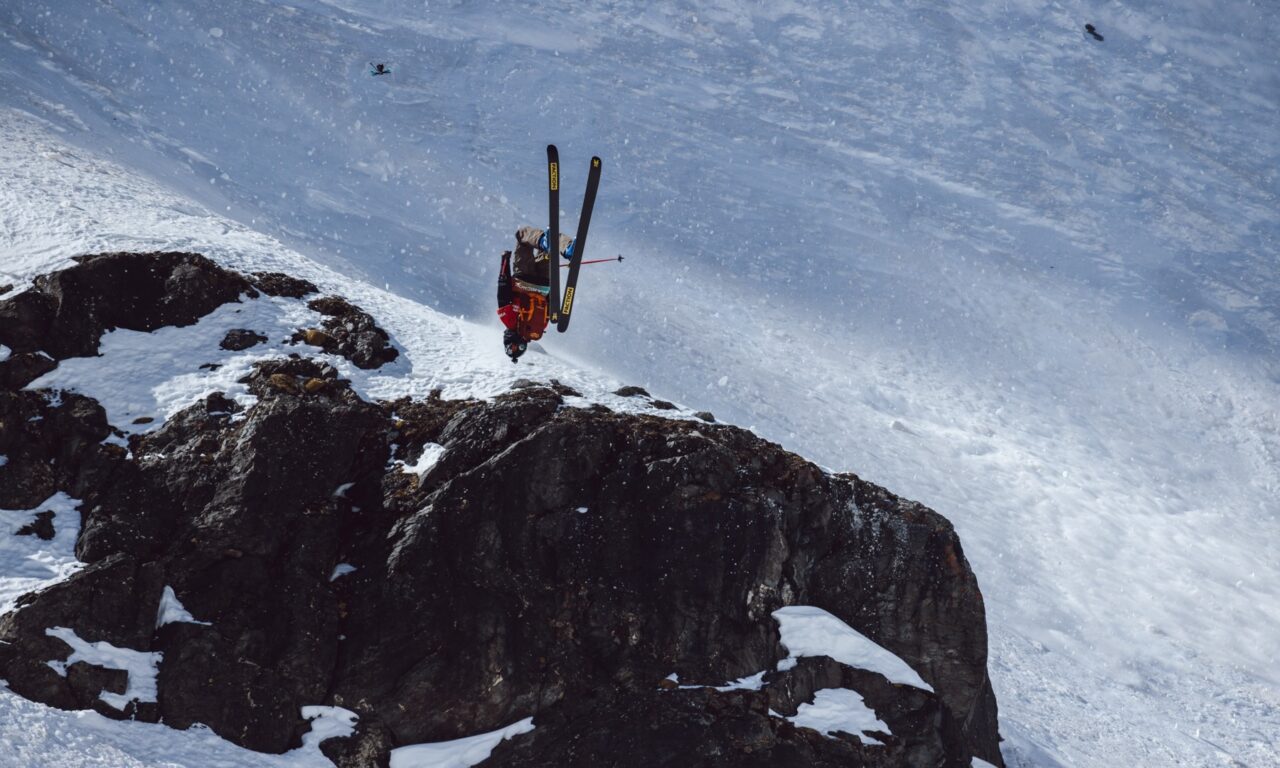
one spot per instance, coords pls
(595, 261)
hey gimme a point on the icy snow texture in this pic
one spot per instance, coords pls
(839, 709)
(141, 666)
(810, 631)
(172, 612)
(28, 563)
(459, 753)
(959, 248)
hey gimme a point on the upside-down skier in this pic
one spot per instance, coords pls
(523, 284)
(529, 294)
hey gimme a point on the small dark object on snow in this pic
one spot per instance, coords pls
(238, 339)
(41, 527)
(1090, 29)
(379, 69)
(631, 391)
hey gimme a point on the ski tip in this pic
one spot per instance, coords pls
(595, 161)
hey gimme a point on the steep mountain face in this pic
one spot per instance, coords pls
(443, 568)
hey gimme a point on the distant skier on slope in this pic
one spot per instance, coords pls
(379, 69)
(522, 288)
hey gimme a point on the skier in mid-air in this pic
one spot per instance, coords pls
(523, 284)
(379, 69)
(529, 290)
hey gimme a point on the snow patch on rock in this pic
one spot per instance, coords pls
(431, 453)
(327, 723)
(141, 666)
(836, 710)
(153, 375)
(28, 563)
(172, 612)
(810, 631)
(459, 753)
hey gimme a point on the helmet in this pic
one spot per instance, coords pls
(515, 345)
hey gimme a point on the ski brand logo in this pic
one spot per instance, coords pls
(555, 177)
(568, 301)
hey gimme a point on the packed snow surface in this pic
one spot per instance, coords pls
(962, 249)
(810, 631)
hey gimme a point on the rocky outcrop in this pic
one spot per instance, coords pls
(280, 284)
(556, 563)
(350, 332)
(65, 313)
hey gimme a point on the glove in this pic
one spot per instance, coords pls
(568, 252)
(542, 242)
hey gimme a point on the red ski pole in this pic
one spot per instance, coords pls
(595, 261)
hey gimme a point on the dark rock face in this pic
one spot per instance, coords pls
(53, 442)
(22, 368)
(555, 562)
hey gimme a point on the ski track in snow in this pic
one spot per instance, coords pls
(961, 250)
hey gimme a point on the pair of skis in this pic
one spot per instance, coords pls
(562, 308)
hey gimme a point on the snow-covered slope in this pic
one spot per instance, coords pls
(1023, 276)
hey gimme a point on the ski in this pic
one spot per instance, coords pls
(553, 231)
(579, 245)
